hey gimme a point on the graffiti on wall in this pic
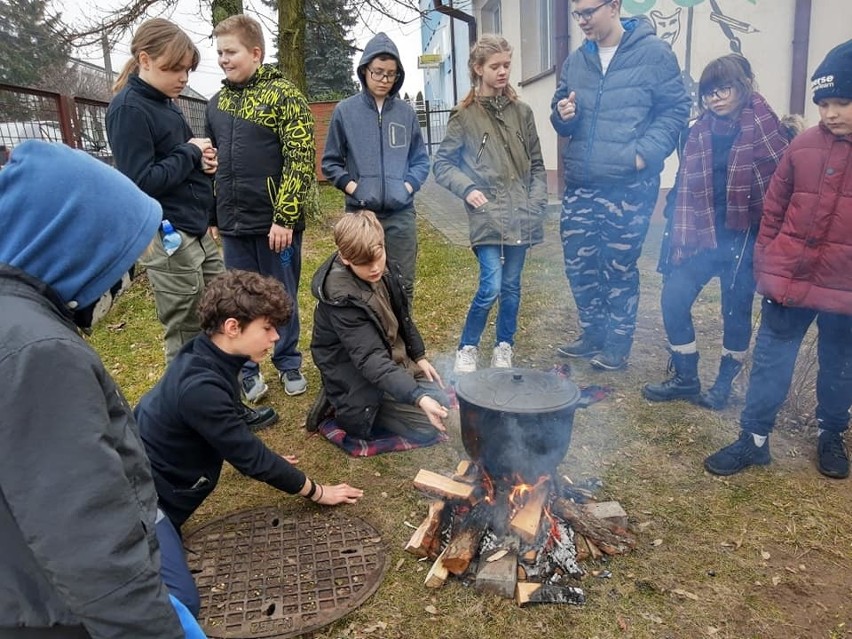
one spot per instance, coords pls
(674, 22)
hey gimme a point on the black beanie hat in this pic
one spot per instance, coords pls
(833, 77)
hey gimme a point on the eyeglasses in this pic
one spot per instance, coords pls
(719, 93)
(586, 14)
(378, 76)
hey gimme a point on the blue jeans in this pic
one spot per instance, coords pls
(252, 253)
(779, 337)
(496, 280)
(173, 567)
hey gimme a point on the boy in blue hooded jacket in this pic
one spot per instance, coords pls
(375, 154)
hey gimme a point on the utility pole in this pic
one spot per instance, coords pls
(107, 59)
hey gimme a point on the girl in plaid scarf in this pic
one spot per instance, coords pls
(713, 214)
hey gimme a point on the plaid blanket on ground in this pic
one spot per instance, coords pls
(756, 151)
(381, 442)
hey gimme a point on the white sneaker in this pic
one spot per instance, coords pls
(502, 357)
(466, 359)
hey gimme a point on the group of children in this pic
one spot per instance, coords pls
(136, 488)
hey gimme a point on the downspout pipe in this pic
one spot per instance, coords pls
(458, 14)
(801, 46)
(562, 47)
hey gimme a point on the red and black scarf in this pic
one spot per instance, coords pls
(756, 151)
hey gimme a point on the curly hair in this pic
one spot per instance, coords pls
(245, 296)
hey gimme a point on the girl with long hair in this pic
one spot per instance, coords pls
(714, 212)
(491, 158)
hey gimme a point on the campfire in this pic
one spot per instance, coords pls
(522, 541)
(505, 521)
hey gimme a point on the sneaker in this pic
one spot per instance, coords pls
(584, 346)
(502, 356)
(614, 355)
(832, 458)
(293, 380)
(466, 358)
(319, 412)
(738, 456)
(254, 388)
(260, 417)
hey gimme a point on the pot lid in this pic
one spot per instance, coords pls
(517, 390)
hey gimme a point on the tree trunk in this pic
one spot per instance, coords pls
(225, 8)
(291, 42)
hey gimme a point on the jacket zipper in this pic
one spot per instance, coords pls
(381, 159)
(482, 146)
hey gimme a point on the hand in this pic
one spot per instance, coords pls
(201, 143)
(476, 199)
(430, 372)
(640, 162)
(210, 160)
(213, 231)
(409, 188)
(280, 237)
(350, 187)
(340, 494)
(290, 459)
(434, 411)
(567, 107)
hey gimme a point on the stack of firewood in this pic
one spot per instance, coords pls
(522, 541)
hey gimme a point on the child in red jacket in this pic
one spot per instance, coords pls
(803, 268)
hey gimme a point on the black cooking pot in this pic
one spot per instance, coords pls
(516, 422)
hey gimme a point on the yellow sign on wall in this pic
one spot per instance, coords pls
(429, 61)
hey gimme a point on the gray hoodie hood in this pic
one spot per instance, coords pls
(380, 44)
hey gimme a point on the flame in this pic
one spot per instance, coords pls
(521, 492)
(554, 534)
(488, 485)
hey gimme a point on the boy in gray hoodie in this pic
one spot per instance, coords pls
(375, 153)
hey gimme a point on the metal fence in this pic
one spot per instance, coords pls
(33, 114)
(433, 118)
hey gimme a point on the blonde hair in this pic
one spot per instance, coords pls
(488, 44)
(247, 30)
(359, 237)
(161, 40)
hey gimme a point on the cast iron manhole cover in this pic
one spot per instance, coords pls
(264, 573)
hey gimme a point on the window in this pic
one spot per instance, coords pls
(537, 38)
(492, 21)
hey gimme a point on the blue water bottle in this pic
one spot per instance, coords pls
(171, 238)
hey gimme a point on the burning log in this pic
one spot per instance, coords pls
(426, 541)
(527, 520)
(437, 484)
(466, 472)
(465, 541)
(529, 593)
(608, 537)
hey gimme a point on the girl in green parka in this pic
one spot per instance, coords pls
(491, 158)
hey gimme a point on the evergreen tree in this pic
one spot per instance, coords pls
(32, 43)
(329, 49)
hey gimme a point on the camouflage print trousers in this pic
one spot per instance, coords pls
(602, 232)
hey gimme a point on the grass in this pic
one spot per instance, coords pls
(765, 554)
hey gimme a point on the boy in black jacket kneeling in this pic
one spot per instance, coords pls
(365, 344)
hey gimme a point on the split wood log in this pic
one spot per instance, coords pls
(594, 552)
(608, 537)
(426, 540)
(437, 574)
(527, 520)
(437, 484)
(582, 546)
(466, 539)
(610, 511)
(498, 577)
(465, 472)
(529, 593)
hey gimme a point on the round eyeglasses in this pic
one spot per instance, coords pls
(379, 76)
(719, 93)
(586, 14)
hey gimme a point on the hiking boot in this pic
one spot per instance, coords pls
(614, 355)
(293, 380)
(832, 458)
(586, 345)
(716, 397)
(737, 456)
(502, 356)
(466, 358)
(253, 387)
(319, 412)
(259, 418)
(683, 384)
